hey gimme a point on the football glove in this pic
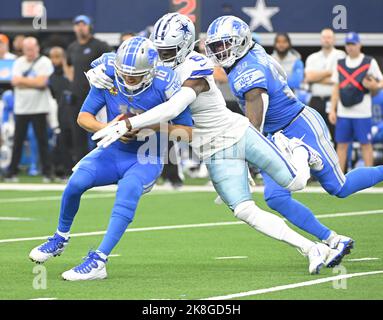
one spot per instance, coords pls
(98, 78)
(110, 133)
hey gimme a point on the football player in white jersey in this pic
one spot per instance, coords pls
(222, 139)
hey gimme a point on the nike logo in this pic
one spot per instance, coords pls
(203, 64)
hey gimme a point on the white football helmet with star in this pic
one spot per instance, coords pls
(175, 34)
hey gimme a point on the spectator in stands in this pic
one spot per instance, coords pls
(318, 72)
(355, 78)
(32, 104)
(4, 48)
(17, 45)
(59, 84)
(80, 54)
(290, 60)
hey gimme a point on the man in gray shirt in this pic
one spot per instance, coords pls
(32, 104)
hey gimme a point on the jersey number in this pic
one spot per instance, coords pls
(162, 74)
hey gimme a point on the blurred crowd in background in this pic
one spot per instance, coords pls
(39, 134)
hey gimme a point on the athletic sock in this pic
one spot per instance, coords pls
(65, 235)
(271, 225)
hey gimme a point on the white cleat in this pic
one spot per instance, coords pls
(49, 249)
(317, 257)
(93, 268)
(283, 144)
(286, 146)
(315, 160)
(340, 246)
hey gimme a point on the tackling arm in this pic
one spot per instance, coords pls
(170, 109)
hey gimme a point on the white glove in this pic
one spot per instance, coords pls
(374, 130)
(98, 78)
(110, 133)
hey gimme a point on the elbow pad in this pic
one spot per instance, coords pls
(166, 111)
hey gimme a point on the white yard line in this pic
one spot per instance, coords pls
(97, 233)
(349, 214)
(44, 299)
(233, 257)
(15, 219)
(112, 188)
(55, 198)
(361, 259)
(293, 285)
(188, 226)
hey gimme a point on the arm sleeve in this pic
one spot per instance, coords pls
(166, 111)
(94, 101)
(295, 79)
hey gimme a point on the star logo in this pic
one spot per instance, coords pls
(184, 28)
(260, 15)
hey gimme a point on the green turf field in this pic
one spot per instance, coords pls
(180, 263)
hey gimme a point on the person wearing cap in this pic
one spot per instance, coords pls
(355, 78)
(318, 72)
(79, 55)
(4, 48)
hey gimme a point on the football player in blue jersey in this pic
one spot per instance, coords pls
(260, 85)
(138, 86)
(222, 139)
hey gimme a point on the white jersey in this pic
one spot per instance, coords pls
(215, 126)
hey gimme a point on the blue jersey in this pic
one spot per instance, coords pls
(164, 85)
(257, 69)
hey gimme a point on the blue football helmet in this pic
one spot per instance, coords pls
(228, 39)
(136, 57)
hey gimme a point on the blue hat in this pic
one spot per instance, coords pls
(82, 18)
(352, 37)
